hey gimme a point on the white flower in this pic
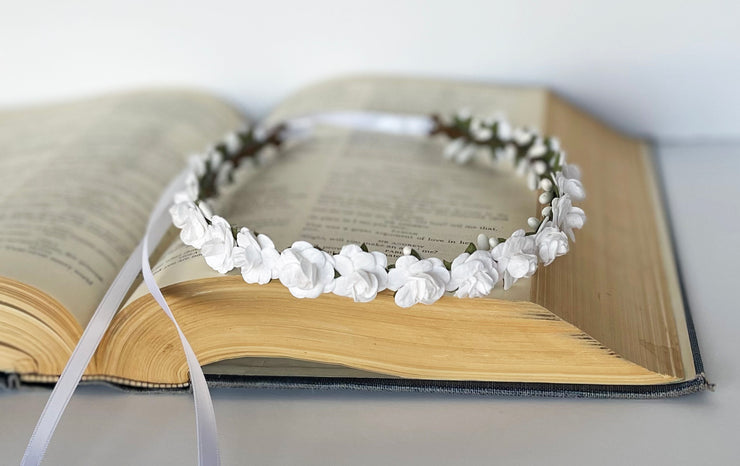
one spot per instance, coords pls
(219, 247)
(538, 149)
(503, 130)
(515, 258)
(233, 143)
(566, 216)
(418, 281)
(459, 151)
(190, 220)
(306, 271)
(197, 164)
(507, 153)
(215, 158)
(256, 256)
(568, 182)
(522, 136)
(473, 275)
(479, 130)
(550, 243)
(363, 274)
(554, 144)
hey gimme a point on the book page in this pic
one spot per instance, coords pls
(77, 182)
(342, 186)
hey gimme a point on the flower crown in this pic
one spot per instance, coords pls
(356, 272)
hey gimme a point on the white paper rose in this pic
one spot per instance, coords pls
(473, 275)
(459, 151)
(256, 257)
(192, 224)
(218, 249)
(306, 271)
(197, 164)
(233, 143)
(566, 216)
(418, 281)
(522, 136)
(515, 258)
(480, 130)
(568, 182)
(503, 130)
(550, 243)
(362, 274)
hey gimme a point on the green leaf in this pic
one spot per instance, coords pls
(337, 274)
(392, 266)
(221, 147)
(471, 248)
(363, 246)
(448, 264)
(415, 254)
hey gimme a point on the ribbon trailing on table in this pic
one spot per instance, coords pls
(159, 222)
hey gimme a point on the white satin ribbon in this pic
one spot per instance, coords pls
(379, 122)
(159, 221)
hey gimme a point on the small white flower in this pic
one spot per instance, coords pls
(538, 149)
(215, 157)
(256, 257)
(259, 133)
(459, 151)
(473, 275)
(219, 247)
(306, 271)
(566, 216)
(550, 243)
(197, 164)
(539, 167)
(522, 136)
(192, 224)
(503, 130)
(418, 281)
(568, 182)
(507, 153)
(554, 144)
(515, 258)
(233, 142)
(362, 274)
(479, 130)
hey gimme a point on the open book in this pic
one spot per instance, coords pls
(77, 181)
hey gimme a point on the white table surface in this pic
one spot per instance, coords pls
(106, 427)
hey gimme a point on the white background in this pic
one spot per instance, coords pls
(664, 68)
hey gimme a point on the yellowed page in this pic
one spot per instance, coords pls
(77, 181)
(387, 191)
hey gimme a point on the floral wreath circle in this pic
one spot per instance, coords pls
(356, 272)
